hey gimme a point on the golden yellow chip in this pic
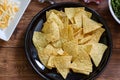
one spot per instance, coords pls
(82, 63)
(62, 64)
(96, 35)
(97, 52)
(39, 39)
(60, 14)
(56, 19)
(84, 49)
(78, 19)
(70, 12)
(46, 53)
(90, 25)
(71, 48)
(51, 30)
(50, 63)
(57, 44)
(85, 39)
(70, 33)
(79, 34)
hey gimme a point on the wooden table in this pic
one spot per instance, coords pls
(15, 66)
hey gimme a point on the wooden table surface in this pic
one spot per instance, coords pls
(15, 66)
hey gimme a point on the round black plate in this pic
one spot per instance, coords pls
(36, 25)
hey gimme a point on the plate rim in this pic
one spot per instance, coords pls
(58, 4)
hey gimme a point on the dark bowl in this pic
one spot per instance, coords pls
(36, 25)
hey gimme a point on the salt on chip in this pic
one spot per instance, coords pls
(62, 64)
(90, 25)
(39, 39)
(97, 52)
(71, 47)
(82, 63)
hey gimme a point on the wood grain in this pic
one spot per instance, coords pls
(15, 66)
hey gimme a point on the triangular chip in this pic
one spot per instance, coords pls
(70, 33)
(46, 53)
(39, 39)
(62, 64)
(97, 35)
(51, 30)
(85, 39)
(82, 63)
(78, 19)
(84, 49)
(90, 25)
(56, 19)
(60, 14)
(57, 44)
(97, 52)
(71, 47)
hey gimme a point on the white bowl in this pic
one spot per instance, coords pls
(112, 12)
(5, 34)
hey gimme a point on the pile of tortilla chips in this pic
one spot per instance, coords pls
(70, 40)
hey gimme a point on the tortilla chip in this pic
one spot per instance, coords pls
(97, 52)
(56, 19)
(85, 39)
(96, 35)
(70, 12)
(57, 44)
(46, 53)
(64, 32)
(71, 48)
(84, 49)
(79, 34)
(82, 63)
(39, 39)
(89, 14)
(62, 64)
(60, 14)
(90, 25)
(70, 33)
(51, 30)
(50, 63)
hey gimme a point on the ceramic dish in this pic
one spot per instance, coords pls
(6, 33)
(112, 12)
(31, 53)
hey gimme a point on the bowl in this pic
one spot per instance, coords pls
(112, 12)
(6, 33)
(31, 53)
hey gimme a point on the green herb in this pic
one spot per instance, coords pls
(116, 7)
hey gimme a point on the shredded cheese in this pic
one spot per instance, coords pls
(8, 9)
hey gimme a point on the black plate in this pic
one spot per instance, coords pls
(36, 25)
